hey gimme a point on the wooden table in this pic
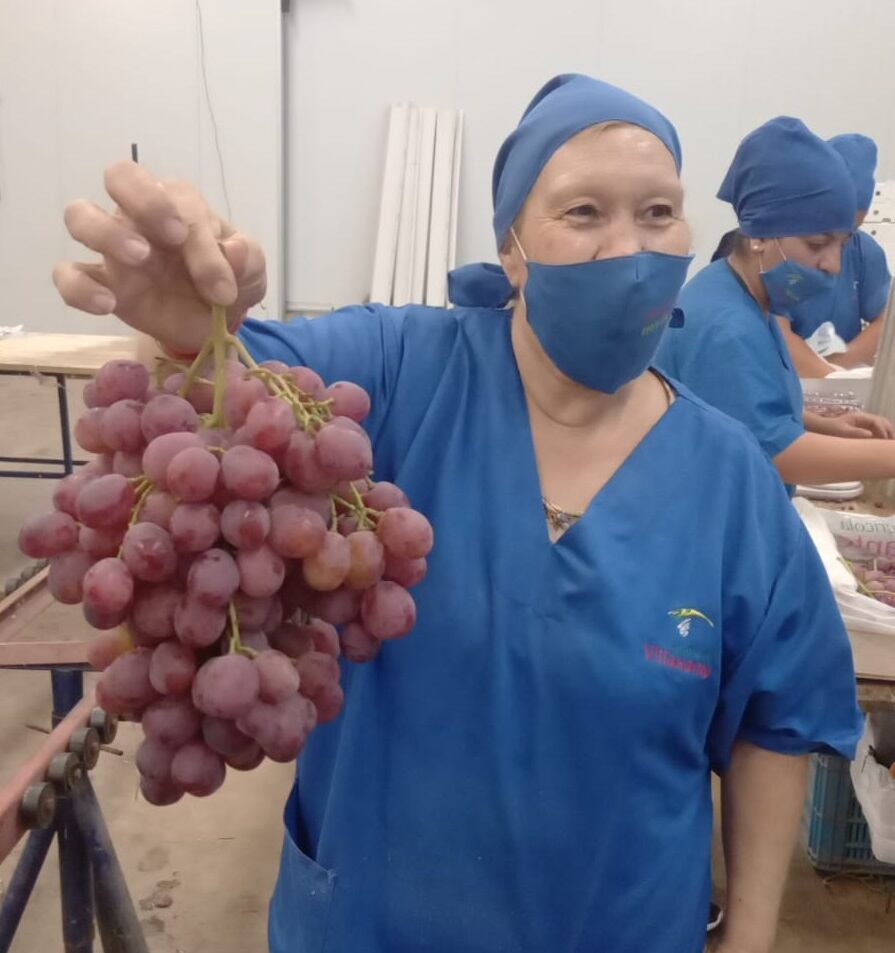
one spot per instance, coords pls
(876, 696)
(59, 356)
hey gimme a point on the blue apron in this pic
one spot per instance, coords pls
(529, 769)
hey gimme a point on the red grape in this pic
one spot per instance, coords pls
(357, 643)
(388, 610)
(328, 568)
(195, 526)
(148, 552)
(278, 676)
(108, 591)
(197, 769)
(171, 721)
(348, 400)
(168, 413)
(120, 426)
(65, 579)
(106, 502)
(213, 578)
(172, 668)
(405, 532)
(296, 532)
(198, 625)
(248, 473)
(192, 474)
(226, 686)
(48, 535)
(269, 424)
(245, 524)
(120, 380)
(261, 571)
(125, 685)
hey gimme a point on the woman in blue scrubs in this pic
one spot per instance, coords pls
(856, 307)
(795, 204)
(862, 286)
(620, 600)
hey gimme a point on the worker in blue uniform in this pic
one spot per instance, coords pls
(862, 287)
(620, 600)
(855, 310)
(795, 203)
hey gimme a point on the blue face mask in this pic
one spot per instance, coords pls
(600, 322)
(790, 284)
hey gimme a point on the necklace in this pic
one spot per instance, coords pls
(559, 520)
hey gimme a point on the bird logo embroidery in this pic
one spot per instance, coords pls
(686, 617)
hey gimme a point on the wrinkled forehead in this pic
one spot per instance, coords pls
(606, 153)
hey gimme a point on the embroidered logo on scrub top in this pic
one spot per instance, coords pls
(687, 616)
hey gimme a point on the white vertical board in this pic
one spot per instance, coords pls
(455, 193)
(390, 204)
(440, 235)
(79, 82)
(403, 285)
(423, 205)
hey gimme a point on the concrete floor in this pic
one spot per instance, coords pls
(201, 872)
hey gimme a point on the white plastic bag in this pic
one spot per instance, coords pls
(826, 341)
(874, 785)
(842, 536)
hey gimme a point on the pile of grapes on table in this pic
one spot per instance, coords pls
(876, 578)
(229, 541)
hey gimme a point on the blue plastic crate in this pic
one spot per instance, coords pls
(834, 832)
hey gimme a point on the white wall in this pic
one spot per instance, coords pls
(718, 68)
(80, 81)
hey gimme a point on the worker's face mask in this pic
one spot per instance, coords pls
(790, 284)
(600, 322)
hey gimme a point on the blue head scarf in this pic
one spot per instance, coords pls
(859, 154)
(565, 106)
(784, 181)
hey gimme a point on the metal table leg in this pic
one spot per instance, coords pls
(75, 881)
(57, 468)
(118, 924)
(62, 394)
(68, 690)
(22, 883)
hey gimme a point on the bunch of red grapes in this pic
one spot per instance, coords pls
(230, 542)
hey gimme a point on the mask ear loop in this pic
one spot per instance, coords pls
(780, 249)
(521, 293)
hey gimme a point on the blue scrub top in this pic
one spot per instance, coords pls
(733, 356)
(862, 288)
(529, 769)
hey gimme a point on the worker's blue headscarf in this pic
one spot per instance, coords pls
(562, 108)
(784, 181)
(859, 155)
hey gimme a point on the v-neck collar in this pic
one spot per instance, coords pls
(533, 493)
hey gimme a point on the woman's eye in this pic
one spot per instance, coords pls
(660, 211)
(583, 211)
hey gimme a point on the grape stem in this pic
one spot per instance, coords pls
(194, 370)
(142, 490)
(861, 587)
(236, 645)
(310, 414)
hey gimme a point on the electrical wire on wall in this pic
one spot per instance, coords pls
(200, 30)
